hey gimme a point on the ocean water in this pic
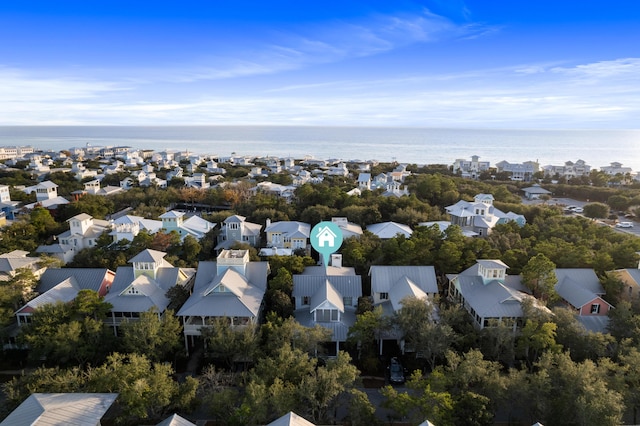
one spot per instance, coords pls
(408, 145)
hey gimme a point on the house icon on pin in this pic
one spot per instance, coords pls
(325, 237)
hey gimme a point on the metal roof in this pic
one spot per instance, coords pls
(175, 420)
(63, 409)
(87, 278)
(149, 256)
(291, 419)
(404, 287)
(386, 230)
(383, 278)
(243, 298)
(308, 285)
(584, 277)
(326, 293)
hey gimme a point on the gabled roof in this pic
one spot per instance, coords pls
(346, 285)
(386, 230)
(585, 277)
(86, 278)
(171, 214)
(492, 264)
(491, 300)
(404, 287)
(241, 297)
(290, 228)
(291, 419)
(64, 292)
(236, 218)
(326, 293)
(149, 224)
(198, 225)
(149, 256)
(578, 286)
(175, 420)
(69, 409)
(383, 278)
(9, 263)
(81, 216)
(152, 291)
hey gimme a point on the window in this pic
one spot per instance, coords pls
(326, 315)
(384, 296)
(595, 308)
(347, 301)
(306, 300)
(234, 226)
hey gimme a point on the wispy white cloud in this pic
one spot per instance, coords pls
(328, 42)
(536, 95)
(17, 86)
(627, 68)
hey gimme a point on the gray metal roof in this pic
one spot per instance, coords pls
(389, 229)
(404, 287)
(594, 323)
(326, 293)
(175, 420)
(152, 291)
(291, 419)
(87, 278)
(383, 278)
(63, 409)
(290, 228)
(243, 296)
(491, 300)
(149, 256)
(584, 277)
(308, 285)
(65, 291)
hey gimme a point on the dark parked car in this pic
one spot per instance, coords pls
(396, 372)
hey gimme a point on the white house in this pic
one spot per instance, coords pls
(194, 225)
(480, 216)
(83, 233)
(234, 229)
(470, 169)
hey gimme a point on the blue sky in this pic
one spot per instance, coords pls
(438, 63)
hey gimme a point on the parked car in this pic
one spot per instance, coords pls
(396, 371)
(624, 225)
(578, 210)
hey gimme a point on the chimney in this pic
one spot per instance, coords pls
(268, 223)
(336, 260)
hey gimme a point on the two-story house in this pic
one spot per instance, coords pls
(287, 236)
(488, 293)
(470, 169)
(231, 287)
(480, 216)
(63, 285)
(143, 286)
(234, 229)
(194, 225)
(581, 290)
(83, 232)
(327, 300)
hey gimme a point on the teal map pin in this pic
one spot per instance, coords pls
(326, 238)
